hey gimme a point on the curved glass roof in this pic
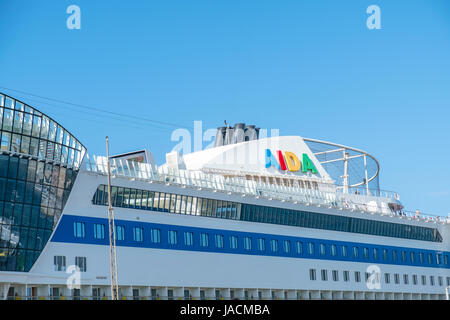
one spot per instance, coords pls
(26, 130)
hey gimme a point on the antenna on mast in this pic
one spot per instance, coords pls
(112, 236)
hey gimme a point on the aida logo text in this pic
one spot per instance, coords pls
(289, 161)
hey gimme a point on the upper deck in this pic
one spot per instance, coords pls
(318, 192)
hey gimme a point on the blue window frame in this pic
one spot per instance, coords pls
(233, 242)
(188, 238)
(247, 243)
(79, 229)
(219, 240)
(310, 248)
(366, 253)
(286, 246)
(172, 237)
(355, 252)
(204, 240)
(333, 250)
(99, 231)
(155, 235)
(261, 244)
(403, 255)
(120, 233)
(274, 245)
(344, 251)
(299, 247)
(394, 255)
(322, 249)
(138, 234)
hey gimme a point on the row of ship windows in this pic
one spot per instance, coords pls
(375, 277)
(59, 263)
(182, 204)
(274, 244)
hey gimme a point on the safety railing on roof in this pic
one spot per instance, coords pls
(327, 195)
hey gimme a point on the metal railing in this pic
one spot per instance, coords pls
(325, 195)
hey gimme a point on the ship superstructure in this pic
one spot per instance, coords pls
(253, 217)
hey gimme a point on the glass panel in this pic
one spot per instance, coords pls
(36, 126)
(27, 123)
(6, 141)
(45, 127)
(15, 143)
(7, 119)
(25, 146)
(18, 120)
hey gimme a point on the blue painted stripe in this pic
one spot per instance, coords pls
(65, 233)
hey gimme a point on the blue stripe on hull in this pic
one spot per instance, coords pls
(65, 233)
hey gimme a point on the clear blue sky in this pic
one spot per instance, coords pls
(309, 68)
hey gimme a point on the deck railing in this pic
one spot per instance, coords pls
(326, 194)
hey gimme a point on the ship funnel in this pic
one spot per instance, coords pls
(250, 133)
(220, 137)
(228, 136)
(239, 133)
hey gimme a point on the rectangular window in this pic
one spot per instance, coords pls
(310, 248)
(387, 278)
(440, 281)
(312, 274)
(286, 246)
(366, 253)
(333, 250)
(247, 243)
(385, 254)
(299, 247)
(396, 278)
(346, 276)
(424, 280)
(344, 251)
(78, 230)
(188, 238)
(375, 253)
(120, 233)
(274, 245)
(59, 263)
(219, 240)
(233, 242)
(172, 237)
(403, 256)
(421, 257)
(414, 277)
(412, 257)
(204, 240)
(432, 280)
(138, 234)
(80, 262)
(155, 235)
(335, 275)
(430, 258)
(261, 244)
(405, 279)
(324, 275)
(99, 231)
(357, 276)
(322, 249)
(355, 252)
(394, 255)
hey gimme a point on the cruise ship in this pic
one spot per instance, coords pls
(254, 217)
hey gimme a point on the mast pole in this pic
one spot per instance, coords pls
(112, 235)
